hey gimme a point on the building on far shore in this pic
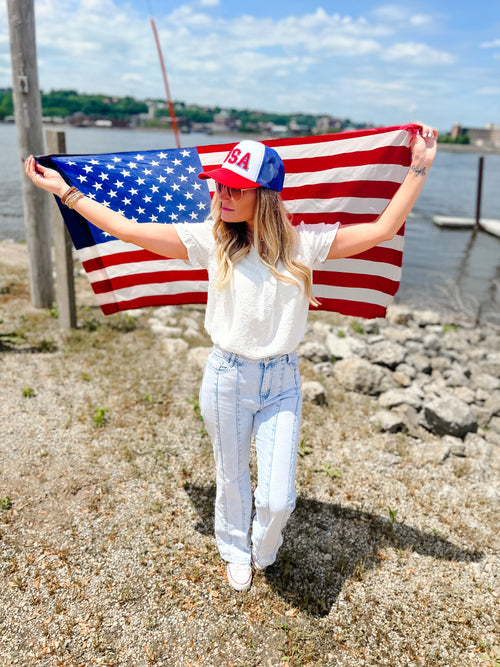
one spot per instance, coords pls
(489, 135)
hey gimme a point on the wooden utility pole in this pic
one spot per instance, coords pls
(28, 116)
(63, 248)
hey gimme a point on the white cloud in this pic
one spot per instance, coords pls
(418, 54)
(495, 44)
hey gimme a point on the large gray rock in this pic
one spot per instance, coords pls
(362, 376)
(387, 353)
(314, 392)
(345, 347)
(449, 415)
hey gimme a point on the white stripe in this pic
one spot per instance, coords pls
(104, 249)
(361, 266)
(153, 289)
(368, 172)
(358, 205)
(137, 268)
(352, 294)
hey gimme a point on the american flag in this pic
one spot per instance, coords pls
(348, 177)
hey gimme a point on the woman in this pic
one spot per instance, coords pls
(259, 292)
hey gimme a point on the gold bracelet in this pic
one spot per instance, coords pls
(73, 198)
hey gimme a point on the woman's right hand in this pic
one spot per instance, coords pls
(45, 178)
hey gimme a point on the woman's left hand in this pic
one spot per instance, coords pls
(423, 145)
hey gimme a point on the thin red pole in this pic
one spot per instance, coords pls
(167, 89)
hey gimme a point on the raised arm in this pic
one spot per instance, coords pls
(354, 239)
(161, 239)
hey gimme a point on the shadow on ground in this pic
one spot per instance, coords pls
(326, 544)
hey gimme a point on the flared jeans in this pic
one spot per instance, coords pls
(240, 397)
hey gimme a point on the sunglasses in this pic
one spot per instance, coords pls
(234, 194)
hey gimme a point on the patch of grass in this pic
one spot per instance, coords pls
(28, 392)
(5, 503)
(303, 448)
(326, 468)
(101, 415)
(357, 327)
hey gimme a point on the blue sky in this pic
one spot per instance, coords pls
(437, 62)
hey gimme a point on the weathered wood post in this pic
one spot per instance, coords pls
(28, 116)
(63, 247)
(479, 190)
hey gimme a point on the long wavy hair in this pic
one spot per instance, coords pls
(275, 240)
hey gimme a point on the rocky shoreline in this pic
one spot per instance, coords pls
(428, 376)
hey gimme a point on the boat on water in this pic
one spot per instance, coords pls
(456, 222)
(491, 226)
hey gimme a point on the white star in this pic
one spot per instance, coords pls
(167, 197)
(110, 166)
(97, 186)
(173, 216)
(162, 179)
(191, 170)
(105, 203)
(163, 156)
(181, 207)
(87, 168)
(183, 178)
(185, 153)
(154, 163)
(177, 162)
(189, 195)
(169, 170)
(94, 162)
(116, 159)
(119, 184)
(140, 210)
(140, 181)
(201, 206)
(196, 186)
(147, 172)
(71, 163)
(176, 186)
(153, 218)
(112, 193)
(154, 188)
(131, 165)
(193, 215)
(126, 201)
(82, 178)
(139, 157)
(125, 173)
(160, 208)
(133, 191)
(90, 195)
(147, 199)
(103, 176)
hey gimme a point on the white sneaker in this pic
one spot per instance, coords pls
(239, 576)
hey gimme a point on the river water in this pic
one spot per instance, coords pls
(442, 268)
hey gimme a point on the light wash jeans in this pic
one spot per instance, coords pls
(238, 397)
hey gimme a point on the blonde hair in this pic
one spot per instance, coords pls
(275, 240)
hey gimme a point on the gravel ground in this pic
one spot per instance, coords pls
(107, 554)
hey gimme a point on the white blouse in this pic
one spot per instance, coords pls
(256, 315)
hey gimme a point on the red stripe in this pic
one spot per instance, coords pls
(104, 261)
(356, 281)
(385, 155)
(155, 300)
(352, 308)
(358, 189)
(131, 280)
